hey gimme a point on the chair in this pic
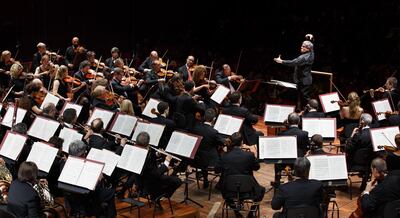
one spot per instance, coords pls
(392, 209)
(211, 172)
(239, 193)
(360, 166)
(6, 214)
(303, 212)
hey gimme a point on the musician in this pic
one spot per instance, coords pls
(316, 144)
(153, 178)
(99, 99)
(250, 135)
(227, 78)
(49, 111)
(114, 55)
(391, 92)
(95, 138)
(207, 154)
(71, 52)
(186, 107)
(17, 80)
(6, 61)
(147, 64)
(37, 57)
(302, 71)
(378, 193)
(163, 112)
(69, 118)
(393, 158)
(126, 107)
(303, 142)
(185, 71)
(45, 70)
(23, 200)
(36, 94)
(203, 87)
(151, 77)
(101, 201)
(239, 162)
(61, 88)
(311, 110)
(300, 192)
(83, 70)
(393, 119)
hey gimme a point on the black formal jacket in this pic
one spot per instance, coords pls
(145, 65)
(372, 204)
(109, 62)
(360, 140)
(100, 103)
(394, 120)
(169, 128)
(220, 78)
(186, 108)
(302, 139)
(301, 192)
(302, 68)
(183, 72)
(314, 114)
(99, 142)
(151, 177)
(207, 154)
(24, 201)
(120, 89)
(37, 57)
(392, 95)
(69, 54)
(249, 133)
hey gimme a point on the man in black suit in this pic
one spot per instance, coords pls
(311, 110)
(37, 57)
(96, 140)
(239, 162)
(226, 78)
(151, 78)
(99, 99)
(153, 179)
(394, 120)
(70, 52)
(391, 92)
(163, 111)
(207, 154)
(187, 106)
(114, 55)
(184, 71)
(302, 71)
(234, 109)
(146, 65)
(300, 192)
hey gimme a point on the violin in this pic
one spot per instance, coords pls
(166, 73)
(99, 65)
(72, 80)
(340, 103)
(162, 63)
(388, 148)
(39, 96)
(111, 98)
(126, 81)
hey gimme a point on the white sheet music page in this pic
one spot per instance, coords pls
(381, 106)
(323, 126)
(109, 158)
(140, 127)
(383, 136)
(280, 147)
(220, 93)
(277, 113)
(124, 124)
(327, 167)
(152, 103)
(12, 145)
(175, 142)
(155, 131)
(104, 115)
(8, 117)
(181, 144)
(90, 175)
(69, 135)
(71, 171)
(284, 84)
(43, 128)
(228, 125)
(329, 102)
(77, 107)
(42, 155)
(50, 99)
(133, 159)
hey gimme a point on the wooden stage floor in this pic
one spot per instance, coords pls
(264, 176)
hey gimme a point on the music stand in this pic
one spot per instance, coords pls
(186, 197)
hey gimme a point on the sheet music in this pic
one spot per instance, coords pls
(284, 84)
(152, 103)
(228, 125)
(43, 155)
(43, 128)
(69, 135)
(133, 159)
(381, 106)
(154, 130)
(89, 175)
(71, 171)
(326, 127)
(181, 144)
(77, 108)
(220, 93)
(124, 124)
(383, 136)
(50, 99)
(12, 145)
(8, 117)
(104, 115)
(329, 102)
(277, 113)
(281, 147)
(327, 167)
(109, 158)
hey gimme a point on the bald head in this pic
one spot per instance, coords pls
(227, 69)
(75, 41)
(99, 91)
(97, 125)
(153, 55)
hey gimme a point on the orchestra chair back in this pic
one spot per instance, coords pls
(239, 194)
(303, 212)
(392, 209)
(360, 166)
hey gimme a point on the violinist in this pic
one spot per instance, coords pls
(83, 74)
(128, 90)
(63, 84)
(311, 110)
(71, 52)
(46, 70)
(227, 78)
(104, 99)
(393, 118)
(95, 65)
(126, 107)
(186, 70)
(17, 81)
(393, 158)
(37, 57)
(114, 55)
(152, 77)
(127, 71)
(203, 87)
(162, 118)
(146, 66)
(5, 64)
(36, 93)
(187, 105)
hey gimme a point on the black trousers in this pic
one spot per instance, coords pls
(303, 95)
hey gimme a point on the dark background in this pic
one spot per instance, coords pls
(358, 41)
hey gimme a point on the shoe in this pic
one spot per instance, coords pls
(206, 184)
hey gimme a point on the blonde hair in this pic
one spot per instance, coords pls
(61, 70)
(127, 107)
(16, 70)
(354, 103)
(4, 54)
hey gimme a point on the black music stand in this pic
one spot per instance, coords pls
(186, 197)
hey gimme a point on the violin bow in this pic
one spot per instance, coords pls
(338, 90)
(8, 93)
(211, 69)
(14, 119)
(238, 63)
(165, 53)
(98, 64)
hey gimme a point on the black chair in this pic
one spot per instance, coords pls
(6, 214)
(360, 165)
(392, 209)
(239, 193)
(303, 212)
